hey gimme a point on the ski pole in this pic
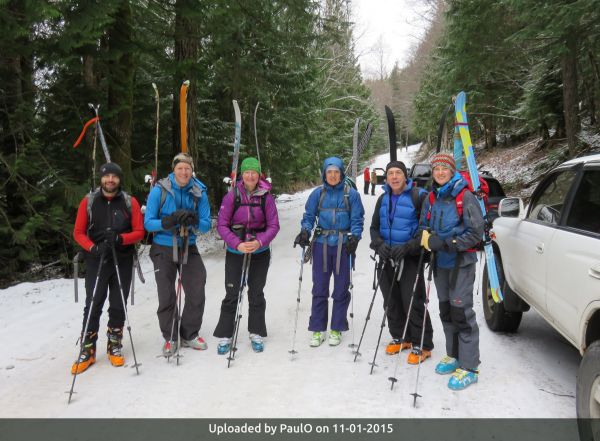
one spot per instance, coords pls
(177, 308)
(183, 231)
(85, 328)
(431, 263)
(76, 259)
(397, 273)
(114, 253)
(412, 298)
(376, 287)
(351, 289)
(238, 310)
(293, 350)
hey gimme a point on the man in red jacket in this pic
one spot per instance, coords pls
(367, 176)
(107, 217)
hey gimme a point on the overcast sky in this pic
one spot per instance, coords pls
(398, 23)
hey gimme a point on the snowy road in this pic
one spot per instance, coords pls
(528, 374)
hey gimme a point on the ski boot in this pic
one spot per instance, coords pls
(462, 378)
(447, 365)
(88, 355)
(197, 343)
(335, 338)
(416, 353)
(257, 343)
(224, 346)
(114, 346)
(169, 348)
(395, 346)
(316, 339)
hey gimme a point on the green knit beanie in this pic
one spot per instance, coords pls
(250, 163)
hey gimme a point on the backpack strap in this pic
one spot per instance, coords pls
(237, 203)
(92, 196)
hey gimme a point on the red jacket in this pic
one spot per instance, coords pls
(367, 175)
(80, 232)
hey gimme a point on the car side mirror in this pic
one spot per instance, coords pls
(511, 207)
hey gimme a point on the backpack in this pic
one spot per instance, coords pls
(163, 196)
(92, 196)
(484, 188)
(346, 198)
(237, 202)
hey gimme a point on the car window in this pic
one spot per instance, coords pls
(547, 205)
(495, 188)
(585, 211)
(421, 171)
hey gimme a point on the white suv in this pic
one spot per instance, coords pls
(549, 257)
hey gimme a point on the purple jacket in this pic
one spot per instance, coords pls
(251, 217)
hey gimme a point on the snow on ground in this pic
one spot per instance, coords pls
(528, 374)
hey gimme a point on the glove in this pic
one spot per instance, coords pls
(436, 244)
(451, 246)
(413, 246)
(425, 235)
(181, 216)
(99, 249)
(302, 239)
(384, 251)
(169, 222)
(351, 245)
(432, 242)
(398, 252)
(189, 218)
(112, 237)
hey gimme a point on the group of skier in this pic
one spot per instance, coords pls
(408, 224)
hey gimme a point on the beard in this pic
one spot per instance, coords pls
(109, 188)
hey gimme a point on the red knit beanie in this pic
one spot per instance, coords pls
(443, 159)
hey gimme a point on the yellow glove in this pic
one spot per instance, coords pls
(425, 240)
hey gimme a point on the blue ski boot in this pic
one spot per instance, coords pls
(257, 343)
(224, 346)
(447, 365)
(462, 378)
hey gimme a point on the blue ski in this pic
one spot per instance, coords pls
(462, 126)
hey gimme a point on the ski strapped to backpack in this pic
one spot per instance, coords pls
(391, 133)
(462, 127)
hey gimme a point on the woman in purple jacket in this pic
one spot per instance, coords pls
(248, 222)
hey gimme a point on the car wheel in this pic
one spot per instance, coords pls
(588, 393)
(496, 317)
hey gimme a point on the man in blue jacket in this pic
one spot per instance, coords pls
(338, 212)
(177, 210)
(393, 228)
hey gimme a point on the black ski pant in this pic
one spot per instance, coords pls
(366, 189)
(193, 280)
(372, 188)
(108, 284)
(257, 278)
(399, 301)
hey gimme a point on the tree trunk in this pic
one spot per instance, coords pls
(187, 51)
(120, 90)
(570, 94)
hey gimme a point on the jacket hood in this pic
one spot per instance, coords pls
(262, 187)
(189, 185)
(452, 187)
(333, 160)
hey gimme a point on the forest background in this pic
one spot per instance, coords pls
(529, 67)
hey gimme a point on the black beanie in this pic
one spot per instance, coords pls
(113, 168)
(397, 164)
